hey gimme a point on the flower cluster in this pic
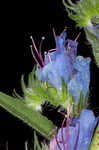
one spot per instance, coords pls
(64, 62)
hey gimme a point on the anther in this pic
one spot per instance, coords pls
(43, 38)
(31, 37)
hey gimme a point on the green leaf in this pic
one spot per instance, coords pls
(95, 141)
(31, 117)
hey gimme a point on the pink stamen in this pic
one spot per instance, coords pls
(58, 144)
(55, 41)
(63, 32)
(62, 133)
(67, 131)
(41, 45)
(35, 57)
(51, 50)
(77, 37)
(54, 49)
(54, 34)
(49, 56)
(67, 126)
(76, 144)
(40, 57)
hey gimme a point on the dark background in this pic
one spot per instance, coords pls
(36, 18)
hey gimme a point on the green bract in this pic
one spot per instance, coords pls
(38, 92)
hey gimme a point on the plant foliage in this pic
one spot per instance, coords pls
(83, 11)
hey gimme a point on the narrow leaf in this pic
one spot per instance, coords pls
(31, 117)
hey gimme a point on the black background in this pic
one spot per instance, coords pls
(18, 23)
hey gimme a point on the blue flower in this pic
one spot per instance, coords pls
(59, 65)
(81, 79)
(80, 131)
(64, 62)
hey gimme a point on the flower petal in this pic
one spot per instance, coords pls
(60, 48)
(81, 79)
(87, 125)
(55, 71)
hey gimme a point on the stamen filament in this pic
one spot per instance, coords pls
(76, 144)
(63, 32)
(57, 140)
(77, 37)
(40, 57)
(41, 45)
(49, 56)
(40, 51)
(35, 57)
(67, 131)
(54, 49)
(62, 133)
(67, 125)
(54, 34)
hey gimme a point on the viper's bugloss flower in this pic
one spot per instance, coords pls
(80, 132)
(64, 62)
